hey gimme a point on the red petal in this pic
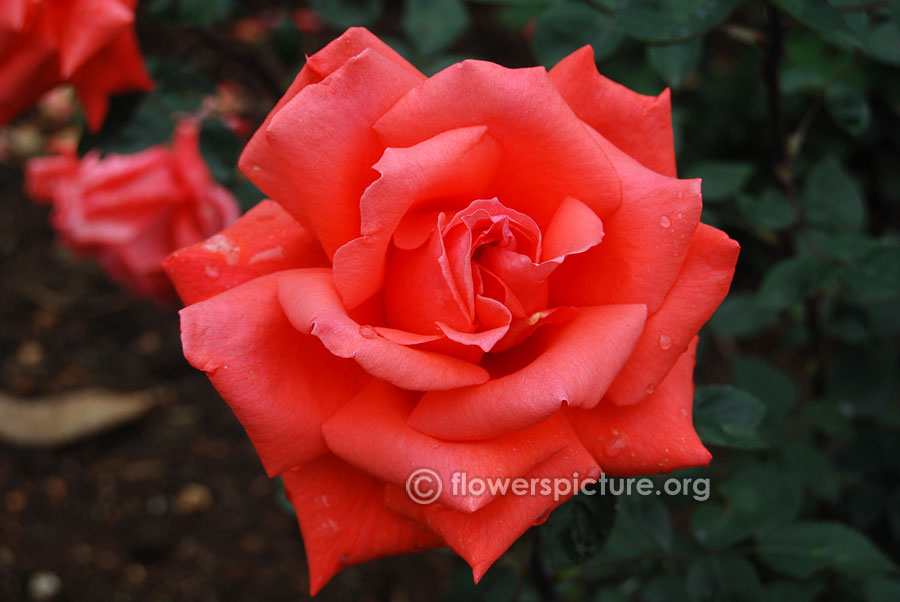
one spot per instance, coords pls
(344, 521)
(280, 383)
(483, 536)
(653, 436)
(272, 180)
(458, 163)
(322, 145)
(264, 240)
(575, 368)
(639, 125)
(702, 284)
(90, 26)
(313, 306)
(372, 434)
(573, 229)
(548, 152)
(646, 240)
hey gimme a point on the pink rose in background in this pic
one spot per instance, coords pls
(90, 44)
(129, 211)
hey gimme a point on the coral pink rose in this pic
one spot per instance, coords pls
(488, 271)
(130, 211)
(88, 43)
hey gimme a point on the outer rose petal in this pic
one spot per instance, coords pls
(322, 143)
(575, 368)
(646, 241)
(314, 307)
(264, 240)
(371, 433)
(549, 153)
(344, 521)
(458, 163)
(317, 67)
(702, 284)
(280, 383)
(483, 536)
(639, 125)
(654, 436)
(88, 28)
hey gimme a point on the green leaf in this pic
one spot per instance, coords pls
(812, 467)
(849, 108)
(883, 43)
(342, 14)
(832, 199)
(793, 591)
(882, 589)
(434, 25)
(803, 548)
(721, 179)
(642, 525)
(666, 21)
(578, 529)
(822, 18)
(749, 509)
(740, 315)
(674, 62)
(566, 27)
(724, 415)
(220, 148)
(875, 276)
(769, 210)
(790, 281)
(716, 578)
(772, 386)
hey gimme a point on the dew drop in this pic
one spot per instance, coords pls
(665, 222)
(615, 447)
(665, 342)
(679, 215)
(211, 271)
(650, 389)
(368, 332)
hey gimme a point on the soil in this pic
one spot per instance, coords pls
(175, 506)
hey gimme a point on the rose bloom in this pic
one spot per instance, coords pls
(88, 43)
(130, 211)
(488, 271)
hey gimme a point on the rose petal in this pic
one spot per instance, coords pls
(313, 306)
(264, 240)
(575, 368)
(322, 143)
(639, 125)
(701, 285)
(273, 179)
(458, 163)
(548, 152)
(573, 229)
(90, 25)
(653, 436)
(119, 68)
(274, 378)
(344, 520)
(483, 536)
(371, 433)
(646, 240)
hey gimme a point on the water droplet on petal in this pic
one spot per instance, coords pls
(368, 332)
(679, 215)
(650, 389)
(665, 222)
(665, 342)
(615, 447)
(211, 271)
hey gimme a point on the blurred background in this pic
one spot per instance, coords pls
(790, 112)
